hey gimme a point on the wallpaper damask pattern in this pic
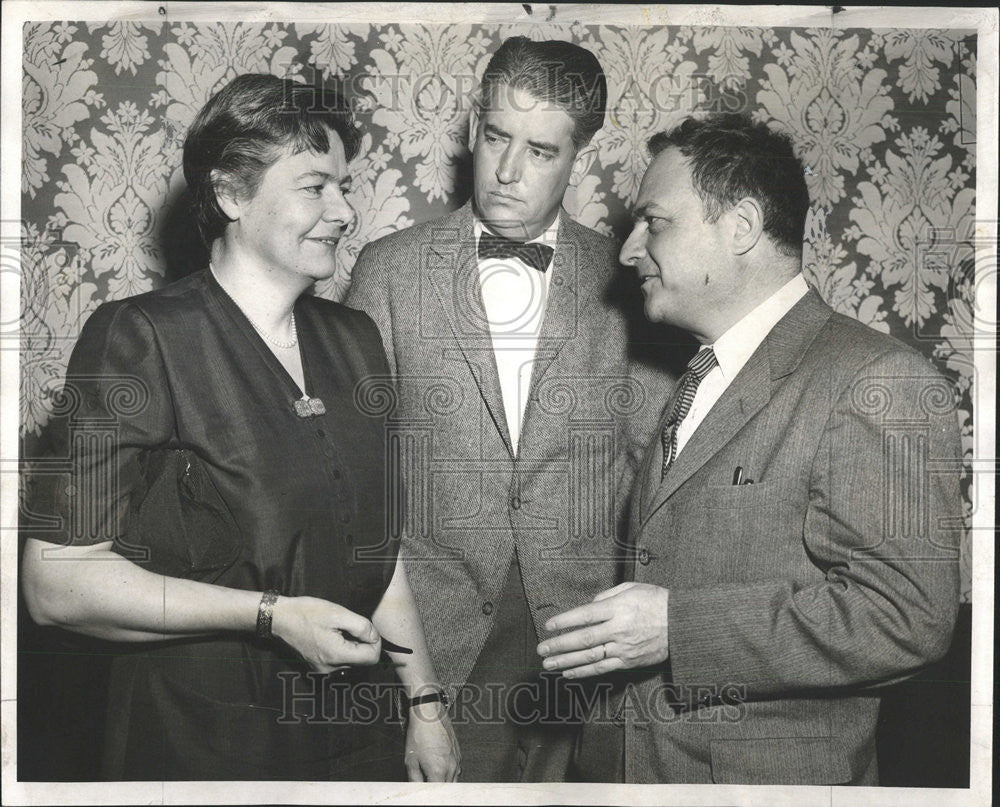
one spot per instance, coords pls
(884, 121)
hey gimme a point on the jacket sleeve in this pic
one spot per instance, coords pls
(369, 292)
(881, 525)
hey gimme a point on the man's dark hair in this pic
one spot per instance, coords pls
(554, 72)
(731, 158)
(245, 127)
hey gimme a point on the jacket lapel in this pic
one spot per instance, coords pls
(570, 290)
(453, 271)
(776, 357)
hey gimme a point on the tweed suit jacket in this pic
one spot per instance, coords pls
(793, 598)
(562, 499)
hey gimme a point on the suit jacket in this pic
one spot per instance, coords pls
(793, 598)
(469, 500)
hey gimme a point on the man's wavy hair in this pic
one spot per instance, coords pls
(555, 72)
(732, 158)
(247, 125)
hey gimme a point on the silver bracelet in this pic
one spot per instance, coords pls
(267, 602)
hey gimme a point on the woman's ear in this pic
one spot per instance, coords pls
(225, 194)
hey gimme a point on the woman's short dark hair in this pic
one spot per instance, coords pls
(245, 126)
(555, 72)
(731, 158)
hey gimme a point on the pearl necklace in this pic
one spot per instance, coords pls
(267, 337)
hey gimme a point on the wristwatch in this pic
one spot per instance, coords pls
(432, 697)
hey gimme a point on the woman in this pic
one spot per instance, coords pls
(217, 445)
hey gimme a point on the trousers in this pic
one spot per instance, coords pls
(514, 721)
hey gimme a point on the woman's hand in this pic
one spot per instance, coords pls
(325, 634)
(432, 753)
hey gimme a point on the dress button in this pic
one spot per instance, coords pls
(487, 608)
(644, 556)
(515, 502)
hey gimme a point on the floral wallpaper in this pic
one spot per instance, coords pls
(883, 119)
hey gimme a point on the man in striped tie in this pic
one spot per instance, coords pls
(793, 524)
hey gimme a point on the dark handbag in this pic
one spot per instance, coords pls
(177, 522)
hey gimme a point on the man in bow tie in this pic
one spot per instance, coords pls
(512, 405)
(796, 518)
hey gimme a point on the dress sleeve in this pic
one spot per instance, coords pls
(115, 405)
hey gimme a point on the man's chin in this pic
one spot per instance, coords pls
(514, 229)
(503, 217)
(655, 313)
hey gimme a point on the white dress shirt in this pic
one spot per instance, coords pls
(734, 348)
(514, 296)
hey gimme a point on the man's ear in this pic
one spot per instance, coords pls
(473, 126)
(581, 165)
(225, 194)
(748, 224)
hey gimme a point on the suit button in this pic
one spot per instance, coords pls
(515, 502)
(487, 608)
(335, 474)
(644, 557)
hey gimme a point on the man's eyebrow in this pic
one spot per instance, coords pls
(541, 145)
(495, 130)
(648, 209)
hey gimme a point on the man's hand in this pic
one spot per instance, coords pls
(624, 627)
(432, 753)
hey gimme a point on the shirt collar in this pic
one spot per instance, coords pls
(735, 347)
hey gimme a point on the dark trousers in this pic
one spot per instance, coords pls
(514, 722)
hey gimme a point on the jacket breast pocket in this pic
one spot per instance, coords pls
(736, 533)
(759, 496)
(779, 761)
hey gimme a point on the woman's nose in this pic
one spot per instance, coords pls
(339, 210)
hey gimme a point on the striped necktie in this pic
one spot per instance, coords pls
(699, 367)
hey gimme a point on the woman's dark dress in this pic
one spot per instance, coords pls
(182, 367)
